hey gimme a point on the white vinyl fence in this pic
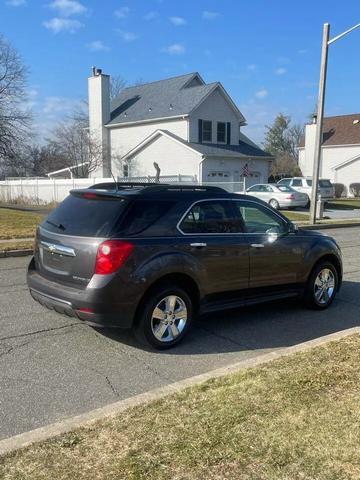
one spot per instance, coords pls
(41, 191)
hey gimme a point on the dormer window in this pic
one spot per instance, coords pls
(206, 131)
(221, 132)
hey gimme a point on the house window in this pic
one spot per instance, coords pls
(207, 131)
(221, 132)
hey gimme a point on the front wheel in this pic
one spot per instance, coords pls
(322, 286)
(274, 204)
(164, 317)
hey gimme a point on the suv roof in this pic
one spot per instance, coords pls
(126, 190)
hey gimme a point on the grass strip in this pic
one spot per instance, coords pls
(294, 418)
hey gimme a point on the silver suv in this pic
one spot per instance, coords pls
(304, 185)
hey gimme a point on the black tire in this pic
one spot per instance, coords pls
(310, 298)
(274, 203)
(308, 203)
(143, 328)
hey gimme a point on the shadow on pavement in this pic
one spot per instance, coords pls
(267, 326)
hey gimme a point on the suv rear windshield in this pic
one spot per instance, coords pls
(325, 183)
(86, 217)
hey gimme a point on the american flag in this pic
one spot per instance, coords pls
(246, 171)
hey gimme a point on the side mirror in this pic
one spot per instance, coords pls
(293, 228)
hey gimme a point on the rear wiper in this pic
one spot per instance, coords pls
(60, 226)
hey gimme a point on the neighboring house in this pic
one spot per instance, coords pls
(186, 126)
(340, 157)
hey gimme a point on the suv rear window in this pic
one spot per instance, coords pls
(325, 183)
(85, 217)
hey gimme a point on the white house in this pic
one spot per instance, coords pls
(186, 126)
(340, 152)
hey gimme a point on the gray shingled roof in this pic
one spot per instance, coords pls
(241, 150)
(215, 150)
(164, 98)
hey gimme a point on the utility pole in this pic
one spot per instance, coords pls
(319, 122)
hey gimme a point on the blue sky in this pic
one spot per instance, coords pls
(266, 53)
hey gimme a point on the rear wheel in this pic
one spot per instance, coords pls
(308, 203)
(322, 286)
(164, 317)
(274, 204)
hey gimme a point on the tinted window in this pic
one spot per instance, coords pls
(142, 214)
(255, 188)
(87, 217)
(297, 182)
(309, 182)
(221, 131)
(212, 217)
(325, 183)
(285, 181)
(285, 188)
(207, 131)
(258, 219)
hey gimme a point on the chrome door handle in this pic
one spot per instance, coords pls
(257, 245)
(198, 245)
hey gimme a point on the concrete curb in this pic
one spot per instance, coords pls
(16, 253)
(44, 433)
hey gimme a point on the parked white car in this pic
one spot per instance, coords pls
(304, 185)
(278, 196)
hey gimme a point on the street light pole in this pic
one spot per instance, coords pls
(320, 113)
(319, 122)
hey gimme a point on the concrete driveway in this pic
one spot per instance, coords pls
(52, 367)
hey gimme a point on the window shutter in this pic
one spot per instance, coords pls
(200, 130)
(228, 133)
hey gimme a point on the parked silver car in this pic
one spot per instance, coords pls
(278, 196)
(304, 185)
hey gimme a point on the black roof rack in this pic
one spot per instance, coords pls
(155, 187)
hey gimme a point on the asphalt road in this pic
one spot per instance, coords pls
(52, 367)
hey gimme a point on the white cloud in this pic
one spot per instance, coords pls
(280, 71)
(127, 36)
(57, 25)
(98, 46)
(66, 8)
(174, 49)
(251, 67)
(178, 21)
(207, 15)
(58, 105)
(151, 16)
(302, 51)
(122, 12)
(261, 93)
(16, 3)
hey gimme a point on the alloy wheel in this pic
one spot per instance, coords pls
(169, 318)
(324, 286)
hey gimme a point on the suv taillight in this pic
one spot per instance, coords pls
(111, 255)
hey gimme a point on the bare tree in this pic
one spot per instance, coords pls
(15, 117)
(117, 85)
(78, 148)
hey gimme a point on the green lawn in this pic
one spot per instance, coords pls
(344, 204)
(297, 418)
(295, 216)
(18, 224)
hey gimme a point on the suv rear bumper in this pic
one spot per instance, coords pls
(86, 304)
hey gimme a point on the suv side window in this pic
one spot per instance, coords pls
(297, 182)
(142, 214)
(213, 216)
(259, 219)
